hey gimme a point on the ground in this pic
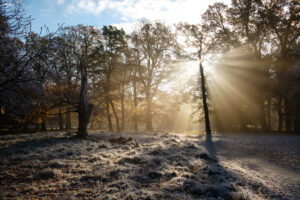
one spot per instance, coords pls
(149, 166)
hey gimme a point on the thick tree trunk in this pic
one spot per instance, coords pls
(110, 128)
(84, 109)
(205, 107)
(149, 126)
(60, 119)
(115, 114)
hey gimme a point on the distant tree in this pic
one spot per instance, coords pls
(245, 17)
(293, 75)
(282, 20)
(269, 31)
(157, 46)
(133, 59)
(113, 44)
(122, 77)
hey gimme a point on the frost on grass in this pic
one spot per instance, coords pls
(142, 166)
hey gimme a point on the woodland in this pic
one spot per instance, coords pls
(116, 80)
(100, 113)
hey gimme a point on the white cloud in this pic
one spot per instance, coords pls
(60, 2)
(129, 11)
(168, 10)
(127, 27)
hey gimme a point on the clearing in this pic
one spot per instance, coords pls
(106, 165)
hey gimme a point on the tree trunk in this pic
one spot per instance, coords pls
(60, 119)
(25, 127)
(122, 108)
(297, 118)
(68, 108)
(115, 114)
(68, 119)
(43, 125)
(288, 120)
(269, 121)
(84, 109)
(205, 107)
(149, 126)
(280, 117)
(135, 119)
(108, 115)
(263, 116)
(37, 127)
(243, 122)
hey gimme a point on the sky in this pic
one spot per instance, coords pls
(121, 13)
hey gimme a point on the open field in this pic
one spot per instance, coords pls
(149, 166)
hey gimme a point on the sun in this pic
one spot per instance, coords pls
(191, 68)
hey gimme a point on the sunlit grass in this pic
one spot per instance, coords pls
(192, 132)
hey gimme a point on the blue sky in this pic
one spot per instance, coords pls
(50, 13)
(122, 13)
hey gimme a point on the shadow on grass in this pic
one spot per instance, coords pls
(25, 150)
(192, 171)
(161, 167)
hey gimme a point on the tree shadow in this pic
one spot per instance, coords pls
(42, 149)
(209, 145)
(189, 171)
(161, 166)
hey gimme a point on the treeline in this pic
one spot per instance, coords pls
(254, 48)
(103, 76)
(259, 70)
(108, 79)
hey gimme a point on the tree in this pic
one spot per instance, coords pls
(282, 19)
(294, 96)
(123, 71)
(113, 43)
(134, 60)
(197, 38)
(157, 46)
(20, 87)
(85, 44)
(251, 27)
(216, 20)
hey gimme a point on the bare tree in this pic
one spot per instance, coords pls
(197, 38)
(157, 46)
(85, 44)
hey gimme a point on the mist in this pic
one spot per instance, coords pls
(206, 110)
